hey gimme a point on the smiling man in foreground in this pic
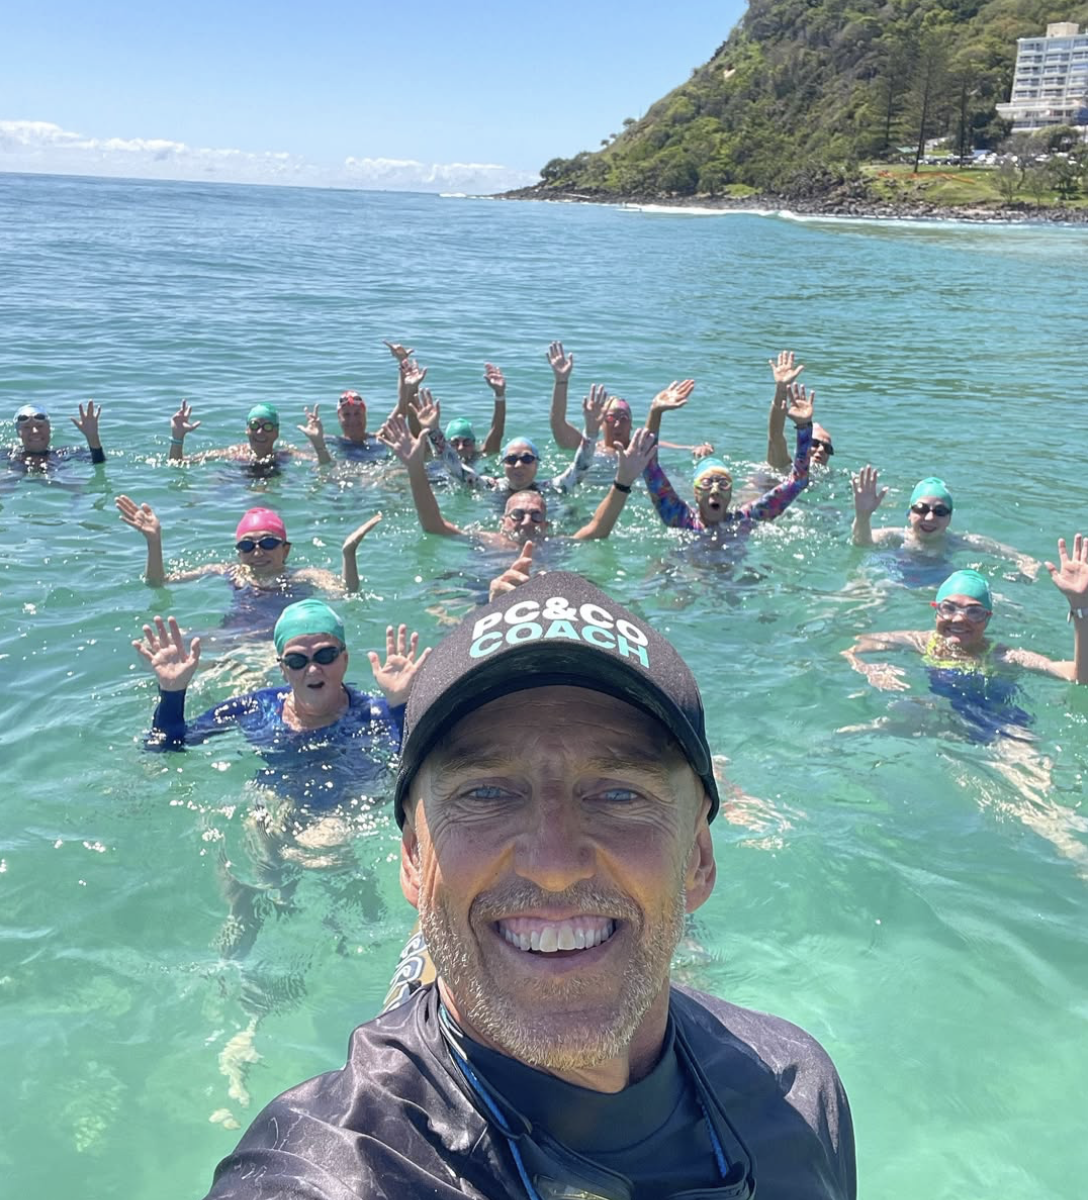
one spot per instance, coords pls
(555, 795)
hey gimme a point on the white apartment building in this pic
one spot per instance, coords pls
(1050, 85)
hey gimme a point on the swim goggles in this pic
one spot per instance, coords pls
(351, 399)
(24, 417)
(324, 655)
(550, 1171)
(525, 459)
(938, 510)
(248, 545)
(973, 612)
(261, 426)
(708, 482)
(536, 515)
(464, 443)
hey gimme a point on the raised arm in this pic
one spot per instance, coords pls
(87, 424)
(630, 463)
(1070, 577)
(181, 423)
(350, 551)
(497, 383)
(883, 675)
(173, 667)
(394, 434)
(773, 503)
(592, 415)
(411, 376)
(785, 373)
(142, 518)
(674, 397)
(428, 414)
(867, 499)
(315, 432)
(396, 675)
(562, 364)
(670, 508)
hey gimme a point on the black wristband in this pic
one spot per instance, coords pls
(98, 455)
(621, 487)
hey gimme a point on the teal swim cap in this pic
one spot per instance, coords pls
(711, 464)
(460, 427)
(932, 486)
(304, 618)
(264, 412)
(966, 583)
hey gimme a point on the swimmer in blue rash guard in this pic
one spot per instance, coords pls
(33, 453)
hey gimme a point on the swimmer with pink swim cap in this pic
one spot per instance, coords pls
(262, 545)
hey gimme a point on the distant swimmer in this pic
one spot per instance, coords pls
(258, 453)
(262, 582)
(459, 439)
(525, 516)
(957, 648)
(353, 443)
(778, 456)
(617, 423)
(520, 458)
(324, 744)
(34, 454)
(713, 482)
(929, 515)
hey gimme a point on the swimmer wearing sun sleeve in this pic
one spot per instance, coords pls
(714, 485)
(35, 431)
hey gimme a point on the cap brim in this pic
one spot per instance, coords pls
(550, 664)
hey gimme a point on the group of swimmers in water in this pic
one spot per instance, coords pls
(324, 743)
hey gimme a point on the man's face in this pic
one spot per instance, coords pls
(525, 517)
(465, 447)
(929, 517)
(520, 465)
(821, 449)
(554, 840)
(713, 491)
(352, 417)
(262, 435)
(268, 559)
(34, 433)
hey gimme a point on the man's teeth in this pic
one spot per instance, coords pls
(546, 937)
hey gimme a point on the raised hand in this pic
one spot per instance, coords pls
(867, 497)
(87, 422)
(799, 403)
(561, 363)
(630, 463)
(1070, 576)
(784, 369)
(140, 516)
(674, 396)
(396, 675)
(412, 374)
(398, 437)
(495, 380)
(163, 649)
(182, 423)
(593, 408)
(398, 351)
(514, 575)
(313, 428)
(703, 451)
(427, 409)
(351, 542)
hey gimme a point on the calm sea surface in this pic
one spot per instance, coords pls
(915, 899)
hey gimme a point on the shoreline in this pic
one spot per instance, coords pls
(843, 206)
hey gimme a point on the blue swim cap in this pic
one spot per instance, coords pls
(711, 464)
(966, 583)
(29, 411)
(520, 442)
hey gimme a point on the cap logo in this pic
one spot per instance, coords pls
(529, 621)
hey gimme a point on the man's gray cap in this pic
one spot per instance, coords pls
(556, 629)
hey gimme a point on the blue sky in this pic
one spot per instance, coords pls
(423, 94)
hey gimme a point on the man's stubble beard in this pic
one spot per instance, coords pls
(572, 1039)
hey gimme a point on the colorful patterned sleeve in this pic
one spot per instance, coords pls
(578, 469)
(670, 508)
(775, 502)
(451, 460)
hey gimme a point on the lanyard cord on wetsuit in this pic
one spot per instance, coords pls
(450, 1032)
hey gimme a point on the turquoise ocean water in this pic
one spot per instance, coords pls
(916, 900)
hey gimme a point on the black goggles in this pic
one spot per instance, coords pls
(296, 660)
(248, 545)
(826, 445)
(938, 510)
(22, 418)
(262, 427)
(512, 460)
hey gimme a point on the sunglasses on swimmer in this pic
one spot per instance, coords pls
(324, 655)
(248, 545)
(826, 445)
(973, 612)
(938, 510)
(536, 515)
(512, 460)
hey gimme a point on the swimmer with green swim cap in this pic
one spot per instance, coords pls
(259, 451)
(963, 607)
(929, 515)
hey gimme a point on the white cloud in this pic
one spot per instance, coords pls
(42, 146)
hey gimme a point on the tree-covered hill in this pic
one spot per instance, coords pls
(803, 91)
